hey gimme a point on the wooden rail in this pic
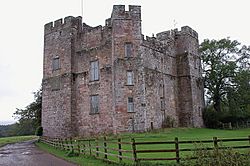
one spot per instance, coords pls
(118, 151)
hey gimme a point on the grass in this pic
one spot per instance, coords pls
(80, 160)
(15, 139)
(191, 134)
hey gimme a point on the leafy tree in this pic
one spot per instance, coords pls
(30, 117)
(222, 62)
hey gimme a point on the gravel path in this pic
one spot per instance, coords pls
(27, 154)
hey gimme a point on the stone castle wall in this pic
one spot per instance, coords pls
(166, 69)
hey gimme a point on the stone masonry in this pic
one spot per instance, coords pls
(112, 79)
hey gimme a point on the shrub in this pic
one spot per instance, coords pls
(39, 131)
(211, 118)
(218, 157)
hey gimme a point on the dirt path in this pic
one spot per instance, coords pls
(27, 154)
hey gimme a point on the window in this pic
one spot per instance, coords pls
(130, 104)
(56, 63)
(130, 78)
(162, 104)
(94, 104)
(200, 113)
(94, 71)
(128, 49)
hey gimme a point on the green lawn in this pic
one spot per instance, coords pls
(190, 134)
(15, 139)
(80, 160)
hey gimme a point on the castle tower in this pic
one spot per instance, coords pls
(59, 40)
(189, 79)
(126, 40)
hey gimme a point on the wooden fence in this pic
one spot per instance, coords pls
(135, 151)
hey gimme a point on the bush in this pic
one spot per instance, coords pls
(218, 157)
(39, 131)
(211, 118)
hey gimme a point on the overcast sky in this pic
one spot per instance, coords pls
(22, 22)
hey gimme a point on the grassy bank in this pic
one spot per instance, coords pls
(15, 139)
(190, 134)
(80, 160)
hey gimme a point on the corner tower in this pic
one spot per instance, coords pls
(59, 38)
(189, 79)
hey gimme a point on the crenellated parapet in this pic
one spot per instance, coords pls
(189, 31)
(153, 43)
(119, 12)
(70, 21)
(168, 35)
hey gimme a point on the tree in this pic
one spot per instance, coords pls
(30, 117)
(223, 61)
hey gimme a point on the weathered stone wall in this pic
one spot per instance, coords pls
(166, 69)
(56, 104)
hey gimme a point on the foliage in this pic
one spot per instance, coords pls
(222, 62)
(218, 157)
(226, 65)
(39, 131)
(30, 117)
(211, 117)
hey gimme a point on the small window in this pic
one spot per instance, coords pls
(94, 71)
(130, 78)
(94, 104)
(161, 90)
(130, 104)
(162, 103)
(56, 63)
(200, 112)
(128, 49)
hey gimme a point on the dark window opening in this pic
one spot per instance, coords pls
(94, 71)
(94, 104)
(130, 104)
(56, 63)
(128, 49)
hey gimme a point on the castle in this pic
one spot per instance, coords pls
(112, 79)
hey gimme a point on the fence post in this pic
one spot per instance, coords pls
(67, 142)
(177, 149)
(71, 145)
(230, 125)
(90, 151)
(63, 146)
(120, 148)
(215, 139)
(134, 150)
(57, 143)
(97, 148)
(215, 142)
(105, 148)
(78, 147)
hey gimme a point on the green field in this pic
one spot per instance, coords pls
(80, 160)
(10, 140)
(183, 134)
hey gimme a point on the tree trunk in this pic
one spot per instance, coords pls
(217, 104)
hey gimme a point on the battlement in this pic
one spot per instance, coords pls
(165, 35)
(62, 23)
(189, 31)
(119, 12)
(172, 33)
(153, 43)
